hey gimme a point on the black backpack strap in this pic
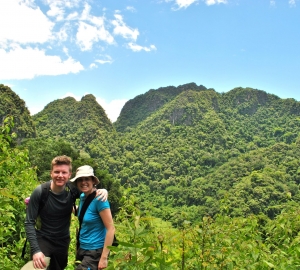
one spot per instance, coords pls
(85, 205)
(44, 196)
(74, 196)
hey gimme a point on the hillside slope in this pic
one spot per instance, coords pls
(12, 104)
(139, 108)
(199, 153)
(178, 154)
(78, 122)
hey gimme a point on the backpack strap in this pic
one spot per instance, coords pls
(74, 196)
(85, 205)
(44, 197)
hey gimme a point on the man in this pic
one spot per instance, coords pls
(53, 238)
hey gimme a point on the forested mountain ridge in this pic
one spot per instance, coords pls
(78, 122)
(193, 153)
(139, 108)
(178, 154)
(12, 104)
(222, 168)
(248, 101)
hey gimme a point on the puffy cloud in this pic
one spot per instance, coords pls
(35, 109)
(63, 3)
(27, 25)
(123, 30)
(91, 29)
(214, 2)
(112, 108)
(72, 16)
(184, 3)
(132, 9)
(33, 43)
(137, 48)
(56, 11)
(105, 60)
(28, 63)
(292, 3)
(88, 34)
(92, 66)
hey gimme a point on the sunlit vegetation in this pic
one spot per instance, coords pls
(196, 179)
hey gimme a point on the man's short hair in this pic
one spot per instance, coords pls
(62, 160)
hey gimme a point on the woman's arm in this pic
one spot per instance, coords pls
(110, 232)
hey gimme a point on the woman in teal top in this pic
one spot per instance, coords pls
(97, 228)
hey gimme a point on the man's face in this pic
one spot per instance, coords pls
(60, 174)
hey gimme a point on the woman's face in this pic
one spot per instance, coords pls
(85, 184)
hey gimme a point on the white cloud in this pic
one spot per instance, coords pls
(72, 16)
(28, 63)
(292, 3)
(88, 34)
(23, 23)
(123, 30)
(66, 51)
(184, 3)
(137, 48)
(106, 60)
(103, 61)
(33, 43)
(91, 30)
(112, 108)
(92, 66)
(62, 34)
(214, 2)
(35, 109)
(132, 9)
(56, 11)
(64, 3)
(86, 12)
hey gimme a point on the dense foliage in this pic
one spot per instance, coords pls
(17, 180)
(204, 147)
(76, 122)
(11, 104)
(138, 109)
(209, 180)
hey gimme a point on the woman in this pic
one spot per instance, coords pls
(97, 228)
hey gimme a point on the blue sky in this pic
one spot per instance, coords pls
(116, 50)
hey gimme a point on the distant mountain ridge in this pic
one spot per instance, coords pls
(200, 146)
(190, 147)
(79, 122)
(139, 108)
